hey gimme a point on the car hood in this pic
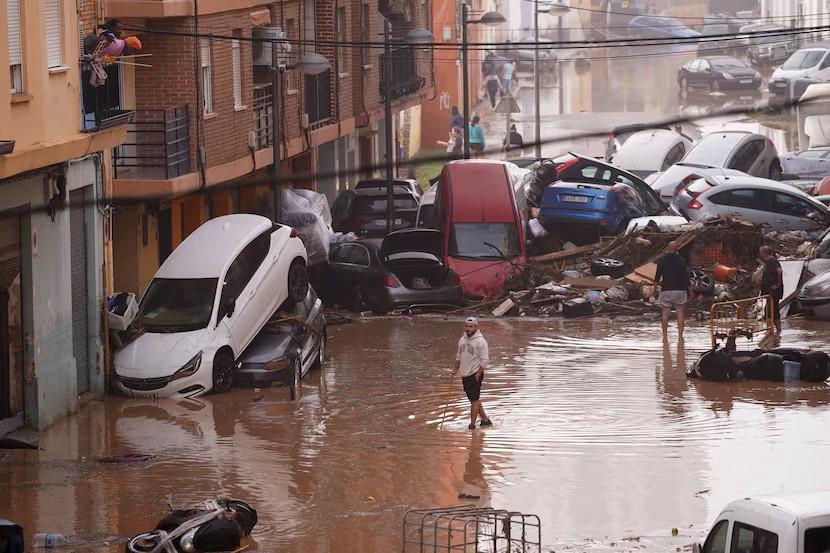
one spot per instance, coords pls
(413, 240)
(739, 72)
(153, 355)
(787, 74)
(267, 346)
(483, 278)
(818, 286)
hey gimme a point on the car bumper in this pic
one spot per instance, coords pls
(551, 219)
(164, 387)
(391, 298)
(256, 375)
(779, 88)
(739, 84)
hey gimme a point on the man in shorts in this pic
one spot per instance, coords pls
(675, 288)
(471, 360)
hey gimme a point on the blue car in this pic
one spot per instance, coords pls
(647, 26)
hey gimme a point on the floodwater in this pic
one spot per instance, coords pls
(597, 431)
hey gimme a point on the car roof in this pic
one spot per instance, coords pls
(210, 248)
(801, 504)
(381, 190)
(643, 149)
(756, 182)
(480, 191)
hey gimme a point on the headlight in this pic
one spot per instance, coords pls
(190, 367)
(727, 76)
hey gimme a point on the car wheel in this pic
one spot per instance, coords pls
(701, 281)
(223, 369)
(297, 281)
(775, 171)
(145, 542)
(321, 350)
(608, 266)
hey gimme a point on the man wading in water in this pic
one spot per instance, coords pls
(471, 359)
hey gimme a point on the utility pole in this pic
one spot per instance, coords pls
(276, 138)
(387, 117)
(465, 79)
(537, 85)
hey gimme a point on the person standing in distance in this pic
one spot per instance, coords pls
(772, 285)
(471, 360)
(675, 288)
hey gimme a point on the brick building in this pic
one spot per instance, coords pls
(201, 142)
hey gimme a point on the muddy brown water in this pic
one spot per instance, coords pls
(596, 430)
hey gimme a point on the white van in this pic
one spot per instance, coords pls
(207, 302)
(810, 64)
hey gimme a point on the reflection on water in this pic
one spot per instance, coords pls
(596, 430)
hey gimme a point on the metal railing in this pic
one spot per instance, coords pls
(318, 99)
(263, 109)
(101, 105)
(157, 145)
(405, 79)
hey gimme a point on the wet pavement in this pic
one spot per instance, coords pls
(596, 430)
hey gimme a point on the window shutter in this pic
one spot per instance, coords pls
(15, 51)
(52, 32)
(236, 55)
(204, 52)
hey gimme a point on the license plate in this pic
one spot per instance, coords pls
(577, 199)
(745, 81)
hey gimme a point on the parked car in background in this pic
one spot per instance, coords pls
(363, 211)
(814, 298)
(805, 66)
(405, 269)
(753, 154)
(807, 164)
(289, 346)
(648, 26)
(426, 209)
(772, 48)
(670, 181)
(207, 302)
(780, 523)
(647, 152)
(759, 201)
(481, 211)
(717, 73)
(720, 44)
(411, 184)
(620, 134)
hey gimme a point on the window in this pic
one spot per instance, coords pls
(704, 66)
(236, 64)
(747, 199)
(716, 542)
(207, 84)
(309, 26)
(786, 204)
(470, 240)
(52, 33)
(243, 268)
(694, 66)
(749, 539)
(15, 46)
(290, 35)
(364, 34)
(747, 155)
(674, 155)
(340, 34)
(592, 172)
(817, 540)
(826, 63)
(351, 254)
(177, 304)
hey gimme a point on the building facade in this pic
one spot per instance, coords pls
(54, 235)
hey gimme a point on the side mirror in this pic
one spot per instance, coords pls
(228, 307)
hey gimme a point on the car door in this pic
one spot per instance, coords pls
(794, 213)
(239, 309)
(751, 204)
(747, 158)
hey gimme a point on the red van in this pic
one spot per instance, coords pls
(480, 209)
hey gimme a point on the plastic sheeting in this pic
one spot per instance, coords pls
(308, 212)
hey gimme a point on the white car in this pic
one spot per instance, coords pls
(809, 64)
(672, 180)
(651, 151)
(207, 302)
(750, 153)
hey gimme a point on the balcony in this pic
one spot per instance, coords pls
(405, 79)
(101, 105)
(157, 146)
(318, 99)
(263, 118)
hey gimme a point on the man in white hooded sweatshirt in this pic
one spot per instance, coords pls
(471, 360)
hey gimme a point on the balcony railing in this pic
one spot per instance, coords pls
(101, 105)
(318, 99)
(263, 119)
(405, 79)
(157, 146)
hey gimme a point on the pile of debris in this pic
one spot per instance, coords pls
(615, 277)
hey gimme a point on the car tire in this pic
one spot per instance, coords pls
(775, 171)
(297, 281)
(701, 282)
(602, 266)
(146, 542)
(321, 350)
(223, 371)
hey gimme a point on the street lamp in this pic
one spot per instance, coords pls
(558, 9)
(488, 18)
(310, 63)
(415, 37)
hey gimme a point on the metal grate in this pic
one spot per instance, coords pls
(263, 108)
(470, 529)
(157, 145)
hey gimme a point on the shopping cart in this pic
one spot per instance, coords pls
(746, 318)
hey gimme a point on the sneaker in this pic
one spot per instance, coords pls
(471, 426)
(487, 422)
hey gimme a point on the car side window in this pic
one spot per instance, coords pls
(746, 155)
(786, 204)
(243, 268)
(747, 199)
(592, 172)
(694, 67)
(358, 255)
(674, 155)
(749, 539)
(716, 542)
(826, 63)
(338, 255)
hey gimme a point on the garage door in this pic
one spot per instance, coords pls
(80, 288)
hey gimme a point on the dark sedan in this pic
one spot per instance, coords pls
(404, 270)
(363, 211)
(714, 74)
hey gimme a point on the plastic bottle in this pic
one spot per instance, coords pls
(49, 540)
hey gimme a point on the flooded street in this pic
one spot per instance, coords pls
(597, 431)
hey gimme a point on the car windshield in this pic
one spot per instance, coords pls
(177, 304)
(728, 64)
(713, 149)
(377, 204)
(476, 240)
(804, 59)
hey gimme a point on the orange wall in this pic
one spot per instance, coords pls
(435, 114)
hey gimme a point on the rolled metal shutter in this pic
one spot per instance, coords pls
(80, 287)
(52, 33)
(13, 13)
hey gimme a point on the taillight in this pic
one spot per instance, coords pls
(392, 282)
(694, 204)
(294, 232)
(363, 221)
